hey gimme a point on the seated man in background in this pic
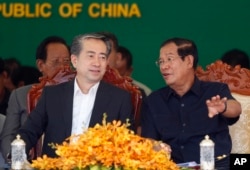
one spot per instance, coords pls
(115, 58)
(187, 109)
(51, 54)
(236, 57)
(11, 65)
(4, 97)
(72, 107)
(25, 75)
(124, 64)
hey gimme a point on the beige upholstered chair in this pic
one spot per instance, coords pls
(238, 80)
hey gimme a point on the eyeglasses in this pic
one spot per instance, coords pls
(161, 62)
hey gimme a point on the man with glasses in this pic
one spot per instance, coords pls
(70, 108)
(187, 109)
(51, 54)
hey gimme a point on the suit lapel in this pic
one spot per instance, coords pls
(102, 99)
(67, 104)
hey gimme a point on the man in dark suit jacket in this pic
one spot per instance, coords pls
(57, 111)
(51, 54)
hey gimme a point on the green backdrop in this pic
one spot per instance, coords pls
(215, 25)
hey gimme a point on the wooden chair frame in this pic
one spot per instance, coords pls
(62, 75)
(238, 80)
(112, 76)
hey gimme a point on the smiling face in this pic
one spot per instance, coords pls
(174, 69)
(91, 63)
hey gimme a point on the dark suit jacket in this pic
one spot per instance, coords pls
(16, 116)
(53, 113)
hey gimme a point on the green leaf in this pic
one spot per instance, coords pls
(106, 168)
(94, 167)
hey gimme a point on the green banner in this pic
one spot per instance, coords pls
(141, 26)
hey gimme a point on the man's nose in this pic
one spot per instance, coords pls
(165, 65)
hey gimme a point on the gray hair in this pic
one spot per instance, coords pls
(76, 45)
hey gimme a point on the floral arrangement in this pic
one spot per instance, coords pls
(110, 146)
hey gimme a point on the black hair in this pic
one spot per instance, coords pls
(25, 74)
(126, 54)
(185, 47)
(11, 64)
(1, 66)
(236, 57)
(41, 51)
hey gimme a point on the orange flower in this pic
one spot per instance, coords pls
(111, 144)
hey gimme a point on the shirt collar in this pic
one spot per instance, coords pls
(195, 88)
(92, 90)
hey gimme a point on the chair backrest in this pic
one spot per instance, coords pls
(112, 76)
(238, 80)
(62, 75)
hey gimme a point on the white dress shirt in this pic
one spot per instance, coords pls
(82, 108)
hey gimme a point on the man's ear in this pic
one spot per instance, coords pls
(74, 60)
(190, 60)
(118, 59)
(39, 65)
(119, 56)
